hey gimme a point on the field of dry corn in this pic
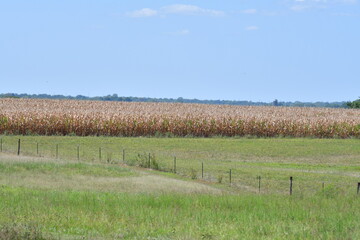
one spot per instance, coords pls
(97, 118)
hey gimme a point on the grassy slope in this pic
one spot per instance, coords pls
(89, 199)
(310, 161)
(50, 174)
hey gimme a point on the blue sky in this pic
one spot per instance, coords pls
(305, 50)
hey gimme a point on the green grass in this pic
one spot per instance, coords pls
(49, 174)
(66, 169)
(143, 216)
(311, 162)
(221, 148)
(105, 199)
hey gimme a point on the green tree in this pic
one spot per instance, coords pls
(354, 104)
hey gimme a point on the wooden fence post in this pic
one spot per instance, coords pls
(259, 178)
(291, 185)
(78, 153)
(1, 144)
(100, 154)
(174, 164)
(37, 149)
(57, 151)
(202, 170)
(123, 155)
(230, 176)
(19, 143)
(358, 187)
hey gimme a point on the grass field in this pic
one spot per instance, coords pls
(94, 215)
(93, 198)
(311, 162)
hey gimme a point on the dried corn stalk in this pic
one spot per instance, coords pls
(84, 118)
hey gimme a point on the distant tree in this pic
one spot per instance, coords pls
(81, 97)
(115, 97)
(9, 95)
(354, 104)
(180, 100)
(276, 103)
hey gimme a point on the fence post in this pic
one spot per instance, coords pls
(358, 187)
(37, 148)
(1, 144)
(259, 177)
(230, 176)
(123, 155)
(174, 164)
(19, 143)
(149, 161)
(202, 170)
(78, 153)
(291, 185)
(57, 151)
(100, 154)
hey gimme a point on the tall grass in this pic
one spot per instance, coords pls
(143, 216)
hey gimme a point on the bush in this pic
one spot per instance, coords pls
(145, 160)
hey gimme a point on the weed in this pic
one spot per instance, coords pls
(220, 178)
(22, 232)
(331, 191)
(145, 160)
(193, 174)
(108, 158)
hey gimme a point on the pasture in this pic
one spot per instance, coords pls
(313, 163)
(61, 196)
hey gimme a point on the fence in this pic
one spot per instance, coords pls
(240, 175)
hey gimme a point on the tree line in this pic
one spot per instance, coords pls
(115, 97)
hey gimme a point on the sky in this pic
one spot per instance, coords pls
(255, 50)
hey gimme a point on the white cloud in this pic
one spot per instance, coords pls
(182, 32)
(145, 12)
(250, 11)
(252, 28)
(175, 9)
(190, 10)
(348, 1)
(300, 5)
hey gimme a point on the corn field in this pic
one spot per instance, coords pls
(97, 118)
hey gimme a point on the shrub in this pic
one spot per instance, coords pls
(145, 160)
